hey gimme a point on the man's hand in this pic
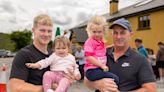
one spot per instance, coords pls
(78, 77)
(104, 85)
(54, 86)
(70, 74)
(107, 85)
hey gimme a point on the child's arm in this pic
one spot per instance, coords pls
(33, 65)
(42, 63)
(96, 63)
(39, 65)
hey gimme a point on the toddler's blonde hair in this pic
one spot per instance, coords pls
(98, 21)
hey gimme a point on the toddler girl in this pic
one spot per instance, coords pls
(95, 51)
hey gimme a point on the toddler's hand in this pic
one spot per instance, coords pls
(32, 65)
(105, 68)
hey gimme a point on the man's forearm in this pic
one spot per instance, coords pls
(147, 87)
(30, 88)
(89, 84)
(17, 85)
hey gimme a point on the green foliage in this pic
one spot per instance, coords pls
(21, 38)
(6, 43)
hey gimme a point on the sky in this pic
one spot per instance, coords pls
(66, 14)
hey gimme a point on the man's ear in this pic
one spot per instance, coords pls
(33, 29)
(131, 33)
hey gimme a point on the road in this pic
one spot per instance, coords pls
(76, 87)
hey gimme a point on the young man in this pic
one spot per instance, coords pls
(23, 79)
(141, 49)
(133, 69)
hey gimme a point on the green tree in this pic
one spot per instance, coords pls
(21, 38)
(6, 43)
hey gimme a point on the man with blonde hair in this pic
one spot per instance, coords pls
(23, 79)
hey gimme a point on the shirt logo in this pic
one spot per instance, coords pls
(125, 64)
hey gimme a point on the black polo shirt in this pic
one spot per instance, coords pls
(132, 69)
(28, 54)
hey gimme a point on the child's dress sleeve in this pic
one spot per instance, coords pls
(46, 62)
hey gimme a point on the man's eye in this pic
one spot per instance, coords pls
(114, 33)
(94, 31)
(49, 31)
(122, 33)
(42, 30)
(99, 31)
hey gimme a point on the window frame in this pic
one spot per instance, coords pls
(143, 22)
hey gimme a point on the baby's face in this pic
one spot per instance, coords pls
(61, 49)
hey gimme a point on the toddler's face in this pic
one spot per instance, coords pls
(97, 32)
(61, 49)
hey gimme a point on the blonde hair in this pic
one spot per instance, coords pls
(98, 21)
(62, 40)
(42, 19)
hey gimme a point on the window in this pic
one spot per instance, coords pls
(144, 22)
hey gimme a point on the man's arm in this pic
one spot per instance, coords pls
(147, 87)
(18, 85)
(146, 77)
(104, 85)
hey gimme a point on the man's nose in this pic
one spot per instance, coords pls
(118, 35)
(46, 33)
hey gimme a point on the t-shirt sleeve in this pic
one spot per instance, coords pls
(89, 48)
(146, 73)
(19, 69)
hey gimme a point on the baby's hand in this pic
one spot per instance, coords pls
(105, 68)
(78, 77)
(33, 65)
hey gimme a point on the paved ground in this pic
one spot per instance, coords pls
(76, 87)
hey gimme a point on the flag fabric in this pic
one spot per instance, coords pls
(57, 31)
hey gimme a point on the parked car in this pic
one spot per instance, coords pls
(3, 53)
(10, 54)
